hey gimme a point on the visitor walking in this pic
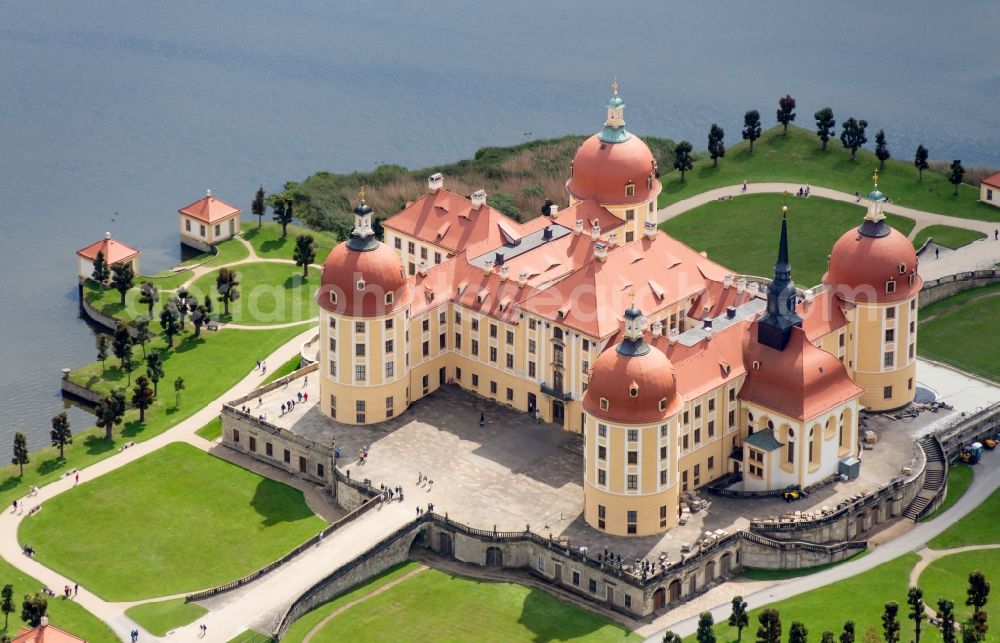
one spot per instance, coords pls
(77, 479)
(14, 510)
(937, 253)
(996, 234)
(744, 185)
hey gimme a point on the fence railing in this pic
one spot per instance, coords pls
(786, 545)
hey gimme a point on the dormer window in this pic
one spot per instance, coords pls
(663, 404)
(890, 286)
(388, 298)
(604, 404)
(913, 278)
(902, 268)
(633, 391)
(629, 189)
(333, 297)
(649, 182)
(361, 284)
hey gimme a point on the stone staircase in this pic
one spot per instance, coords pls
(934, 477)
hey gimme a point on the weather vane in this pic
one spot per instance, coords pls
(361, 194)
(614, 85)
(875, 177)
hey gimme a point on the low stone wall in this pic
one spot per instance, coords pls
(937, 289)
(968, 429)
(80, 392)
(765, 553)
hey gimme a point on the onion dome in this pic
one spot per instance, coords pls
(613, 166)
(362, 276)
(634, 383)
(874, 263)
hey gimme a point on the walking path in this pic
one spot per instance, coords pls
(684, 619)
(976, 255)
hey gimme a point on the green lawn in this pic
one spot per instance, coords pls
(229, 251)
(947, 236)
(961, 330)
(290, 366)
(742, 233)
(959, 479)
(160, 617)
(177, 520)
(270, 293)
(860, 598)
(977, 528)
(108, 302)
(268, 243)
(434, 606)
(166, 280)
(797, 158)
(212, 430)
(250, 636)
(948, 577)
(64, 614)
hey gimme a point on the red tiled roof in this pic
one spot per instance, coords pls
(209, 209)
(114, 251)
(46, 634)
(448, 220)
(612, 377)
(993, 180)
(822, 316)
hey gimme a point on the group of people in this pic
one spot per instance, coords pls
(391, 493)
(290, 404)
(422, 480)
(262, 367)
(803, 191)
(642, 567)
(135, 635)
(363, 454)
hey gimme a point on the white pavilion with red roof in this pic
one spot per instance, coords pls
(115, 252)
(208, 221)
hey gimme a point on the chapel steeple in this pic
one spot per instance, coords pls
(775, 328)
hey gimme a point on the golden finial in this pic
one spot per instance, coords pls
(875, 177)
(631, 297)
(614, 85)
(361, 194)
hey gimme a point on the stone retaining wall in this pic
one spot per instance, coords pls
(938, 289)
(765, 553)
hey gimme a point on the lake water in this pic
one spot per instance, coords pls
(137, 108)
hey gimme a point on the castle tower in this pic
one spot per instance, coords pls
(775, 327)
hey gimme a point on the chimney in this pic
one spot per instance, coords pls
(579, 227)
(478, 198)
(731, 312)
(809, 295)
(435, 182)
(613, 239)
(107, 235)
(707, 324)
(601, 251)
(488, 266)
(422, 267)
(657, 328)
(547, 233)
(741, 285)
(753, 287)
(595, 230)
(553, 209)
(727, 281)
(549, 209)
(504, 272)
(498, 261)
(672, 336)
(649, 229)
(522, 279)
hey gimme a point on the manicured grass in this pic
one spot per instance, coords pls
(166, 280)
(752, 573)
(797, 158)
(231, 354)
(290, 366)
(108, 302)
(270, 293)
(64, 614)
(961, 331)
(176, 520)
(947, 236)
(250, 636)
(860, 598)
(948, 577)
(267, 241)
(434, 606)
(742, 233)
(959, 479)
(229, 251)
(212, 430)
(977, 528)
(162, 616)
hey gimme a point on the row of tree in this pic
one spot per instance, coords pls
(852, 136)
(770, 630)
(33, 608)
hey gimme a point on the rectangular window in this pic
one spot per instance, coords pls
(711, 428)
(732, 395)
(531, 346)
(268, 449)
(388, 324)
(602, 477)
(320, 471)
(333, 406)
(633, 435)
(684, 442)
(889, 358)
(218, 229)
(423, 252)
(359, 327)
(541, 564)
(601, 516)
(442, 341)
(475, 324)
(236, 436)
(887, 392)
(602, 453)
(493, 387)
(302, 464)
(359, 350)
(333, 368)
(686, 417)
(359, 373)
(532, 324)
(697, 411)
(398, 243)
(458, 374)
(410, 247)
(732, 419)
(633, 457)
(711, 462)
(890, 334)
(425, 382)
(633, 482)
(663, 453)
(333, 345)
(510, 337)
(531, 369)
(663, 477)
(510, 395)
(576, 578)
(287, 456)
(602, 430)
(187, 225)
(663, 430)
(697, 437)
(389, 345)
(475, 347)
(390, 369)
(425, 325)
(592, 586)
(493, 353)
(388, 406)
(437, 258)
(441, 317)
(890, 312)
(493, 330)
(458, 317)
(425, 348)
(458, 341)
(475, 380)
(510, 360)
(201, 230)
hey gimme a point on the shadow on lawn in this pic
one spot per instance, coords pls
(550, 619)
(273, 245)
(96, 444)
(272, 499)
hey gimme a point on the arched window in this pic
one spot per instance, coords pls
(791, 446)
(749, 424)
(812, 437)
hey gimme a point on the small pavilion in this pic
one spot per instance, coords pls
(989, 190)
(115, 252)
(208, 221)
(46, 633)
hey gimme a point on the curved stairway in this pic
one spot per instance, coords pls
(934, 477)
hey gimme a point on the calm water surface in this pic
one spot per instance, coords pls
(113, 107)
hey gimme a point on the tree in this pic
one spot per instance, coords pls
(738, 616)
(847, 635)
(890, 622)
(978, 593)
(957, 173)
(920, 160)
(34, 608)
(825, 125)
(946, 613)
(121, 343)
(128, 365)
(980, 625)
(178, 387)
(7, 604)
(226, 284)
(498, 200)
(770, 626)
(20, 451)
(682, 158)
(751, 127)
(881, 150)
(716, 148)
(149, 294)
(207, 303)
(141, 326)
(671, 637)
(304, 253)
(786, 111)
(61, 435)
(109, 412)
(853, 135)
(257, 207)
(102, 349)
(199, 317)
(970, 634)
(101, 272)
(281, 205)
(705, 632)
(181, 302)
(154, 370)
(142, 396)
(122, 278)
(798, 633)
(915, 599)
(828, 637)
(168, 322)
